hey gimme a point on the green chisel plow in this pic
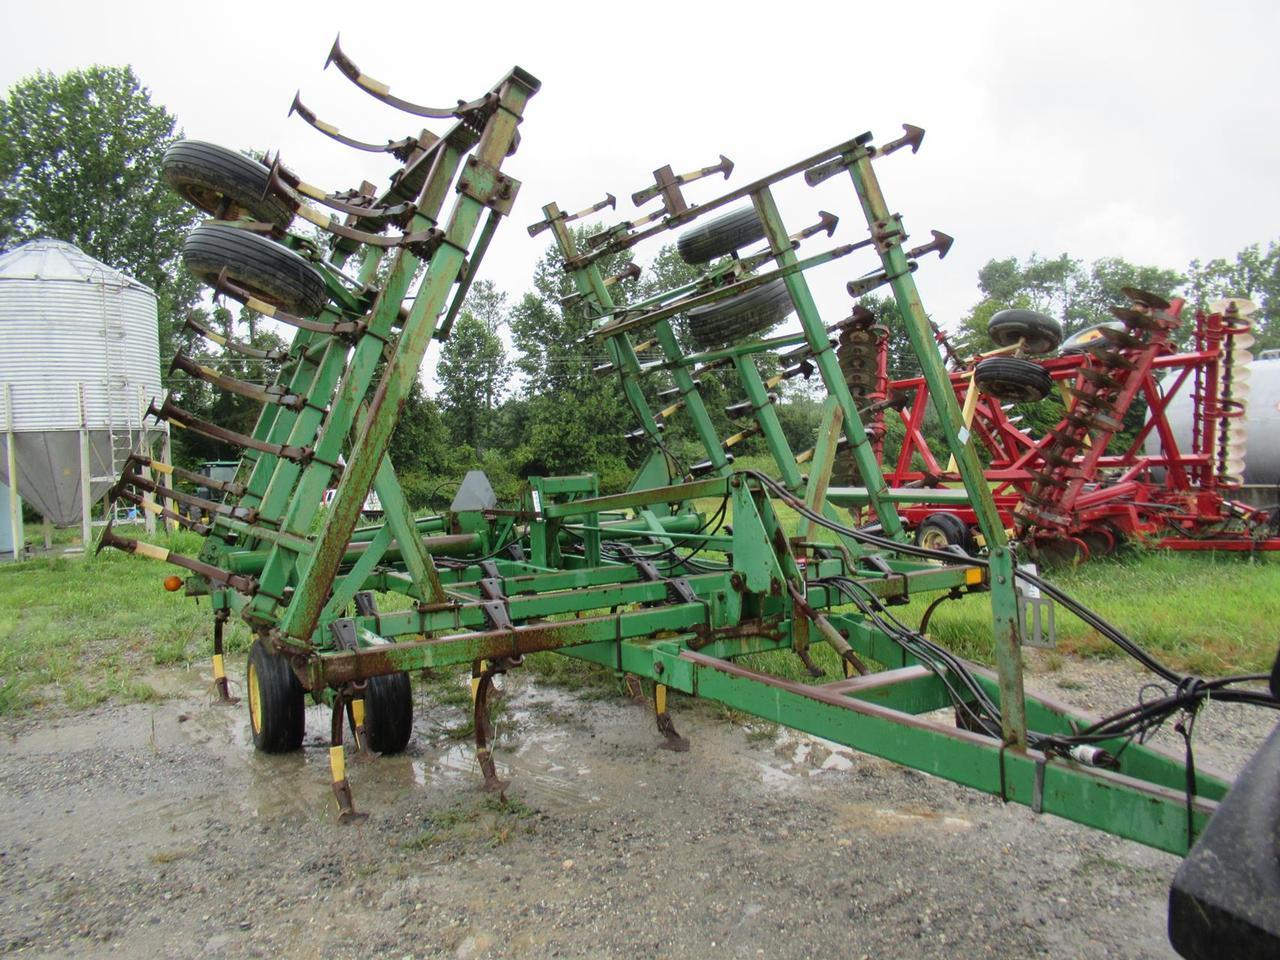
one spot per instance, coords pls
(649, 582)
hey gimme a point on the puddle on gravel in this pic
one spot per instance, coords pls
(561, 752)
(535, 751)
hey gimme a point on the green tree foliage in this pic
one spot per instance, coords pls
(486, 303)
(80, 161)
(1255, 274)
(473, 371)
(573, 420)
(220, 406)
(1063, 288)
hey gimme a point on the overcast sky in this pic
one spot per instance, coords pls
(1141, 130)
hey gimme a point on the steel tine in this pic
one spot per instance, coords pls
(400, 149)
(381, 91)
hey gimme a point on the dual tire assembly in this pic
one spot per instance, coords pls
(229, 186)
(277, 706)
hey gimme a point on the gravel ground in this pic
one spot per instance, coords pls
(155, 830)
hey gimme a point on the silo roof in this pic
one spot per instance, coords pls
(59, 260)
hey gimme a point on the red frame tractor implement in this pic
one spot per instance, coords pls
(1080, 488)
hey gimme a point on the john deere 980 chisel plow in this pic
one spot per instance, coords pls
(642, 582)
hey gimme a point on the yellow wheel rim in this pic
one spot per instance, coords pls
(934, 539)
(255, 698)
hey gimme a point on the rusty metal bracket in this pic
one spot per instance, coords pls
(881, 565)
(291, 188)
(349, 329)
(248, 515)
(274, 394)
(344, 634)
(171, 412)
(888, 233)
(488, 185)
(667, 184)
(609, 202)
(495, 604)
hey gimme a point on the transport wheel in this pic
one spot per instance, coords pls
(737, 317)
(266, 269)
(1013, 379)
(1041, 334)
(732, 231)
(277, 713)
(388, 705)
(1090, 338)
(1100, 541)
(207, 176)
(938, 531)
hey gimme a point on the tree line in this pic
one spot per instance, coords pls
(516, 392)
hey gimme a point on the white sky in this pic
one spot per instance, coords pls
(1141, 130)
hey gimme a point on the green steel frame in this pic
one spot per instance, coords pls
(600, 577)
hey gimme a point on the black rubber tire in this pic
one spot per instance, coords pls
(205, 174)
(266, 269)
(737, 317)
(947, 525)
(721, 235)
(277, 708)
(1099, 541)
(1090, 338)
(1041, 334)
(388, 712)
(1013, 380)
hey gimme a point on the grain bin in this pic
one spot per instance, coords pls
(79, 361)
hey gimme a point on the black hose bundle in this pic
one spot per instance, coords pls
(1140, 720)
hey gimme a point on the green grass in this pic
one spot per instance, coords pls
(1210, 614)
(480, 819)
(81, 630)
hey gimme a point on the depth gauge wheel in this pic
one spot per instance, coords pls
(1100, 541)
(938, 531)
(732, 231)
(388, 705)
(267, 270)
(1040, 334)
(1013, 379)
(223, 183)
(1090, 338)
(738, 317)
(277, 712)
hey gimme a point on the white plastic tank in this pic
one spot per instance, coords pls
(1261, 423)
(78, 350)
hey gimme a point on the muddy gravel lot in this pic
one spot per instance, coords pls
(155, 831)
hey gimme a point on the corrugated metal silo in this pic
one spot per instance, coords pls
(79, 360)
